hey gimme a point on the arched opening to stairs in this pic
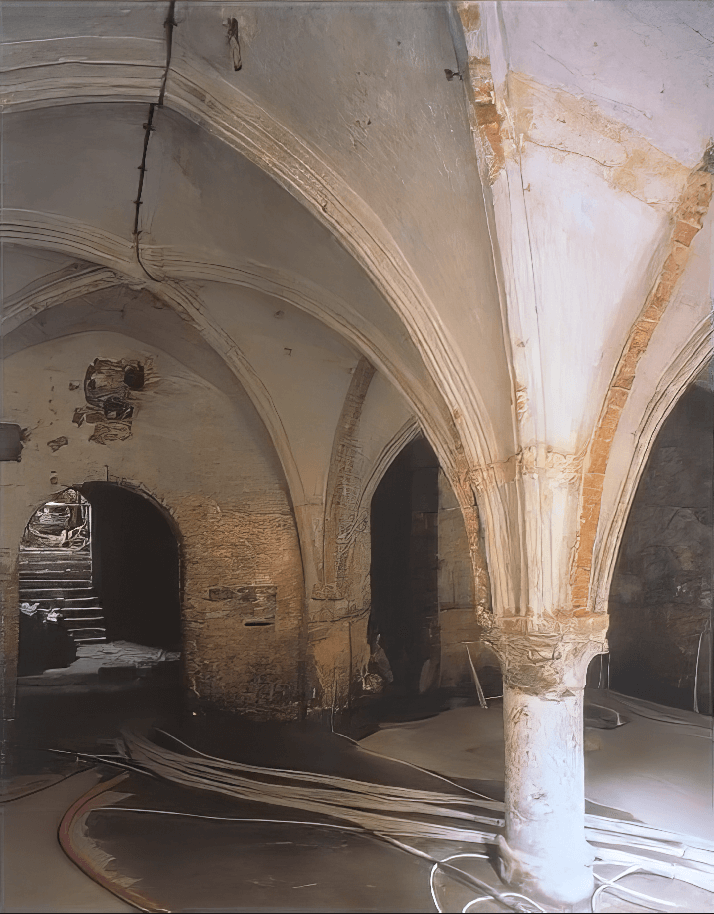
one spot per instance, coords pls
(135, 566)
(99, 588)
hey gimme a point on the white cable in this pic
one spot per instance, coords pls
(371, 808)
(526, 899)
(402, 761)
(481, 898)
(448, 860)
(195, 815)
(312, 776)
(468, 904)
(629, 871)
(354, 830)
(696, 666)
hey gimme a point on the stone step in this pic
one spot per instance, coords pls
(83, 610)
(86, 629)
(81, 568)
(42, 593)
(60, 601)
(54, 581)
(42, 561)
(57, 573)
(82, 616)
(44, 558)
(45, 593)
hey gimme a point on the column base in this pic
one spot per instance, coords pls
(552, 879)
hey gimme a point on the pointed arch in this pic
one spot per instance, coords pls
(675, 379)
(235, 118)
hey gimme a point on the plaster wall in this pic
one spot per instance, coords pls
(364, 84)
(628, 57)
(306, 368)
(24, 268)
(207, 213)
(591, 258)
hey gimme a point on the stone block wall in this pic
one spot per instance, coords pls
(661, 593)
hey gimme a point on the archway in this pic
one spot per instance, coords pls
(99, 581)
(423, 627)
(135, 566)
(660, 600)
(404, 568)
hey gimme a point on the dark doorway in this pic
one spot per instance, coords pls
(661, 594)
(405, 606)
(135, 566)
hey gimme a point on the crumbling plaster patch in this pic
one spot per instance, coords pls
(567, 123)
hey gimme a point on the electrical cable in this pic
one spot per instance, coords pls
(369, 808)
(438, 864)
(433, 774)
(461, 876)
(448, 860)
(340, 800)
(169, 24)
(707, 733)
(611, 884)
(706, 629)
(309, 776)
(105, 760)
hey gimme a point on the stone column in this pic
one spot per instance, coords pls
(544, 853)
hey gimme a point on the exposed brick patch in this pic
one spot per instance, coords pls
(686, 222)
(484, 116)
(9, 630)
(240, 566)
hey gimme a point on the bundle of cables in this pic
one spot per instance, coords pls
(391, 813)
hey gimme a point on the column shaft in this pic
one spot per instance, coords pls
(545, 853)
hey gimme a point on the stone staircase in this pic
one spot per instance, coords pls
(62, 578)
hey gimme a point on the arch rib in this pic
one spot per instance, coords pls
(240, 122)
(691, 359)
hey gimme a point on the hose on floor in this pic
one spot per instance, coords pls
(378, 810)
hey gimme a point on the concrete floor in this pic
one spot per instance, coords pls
(658, 768)
(661, 771)
(36, 874)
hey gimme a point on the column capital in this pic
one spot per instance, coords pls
(547, 656)
(535, 462)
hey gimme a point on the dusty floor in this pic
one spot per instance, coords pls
(36, 874)
(657, 768)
